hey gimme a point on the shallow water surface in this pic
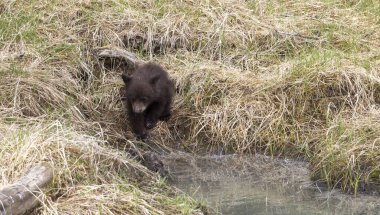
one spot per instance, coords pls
(258, 184)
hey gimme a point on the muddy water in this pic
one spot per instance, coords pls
(234, 184)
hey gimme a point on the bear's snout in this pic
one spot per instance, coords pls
(138, 106)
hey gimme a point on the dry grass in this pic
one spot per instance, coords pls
(59, 106)
(89, 177)
(294, 78)
(259, 77)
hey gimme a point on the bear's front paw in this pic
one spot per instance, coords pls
(149, 124)
(143, 137)
(165, 117)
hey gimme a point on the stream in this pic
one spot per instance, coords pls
(238, 184)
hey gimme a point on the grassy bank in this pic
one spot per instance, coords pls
(293, 78)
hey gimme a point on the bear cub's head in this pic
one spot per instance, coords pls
(141, 91)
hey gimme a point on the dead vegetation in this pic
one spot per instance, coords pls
(293, 78)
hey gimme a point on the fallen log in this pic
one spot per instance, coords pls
(121, 54)
(24, 195)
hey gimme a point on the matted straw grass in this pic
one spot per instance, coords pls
(293, 78)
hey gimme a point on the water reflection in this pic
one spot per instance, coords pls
(260, 185)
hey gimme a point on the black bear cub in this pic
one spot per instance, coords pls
(149, 94)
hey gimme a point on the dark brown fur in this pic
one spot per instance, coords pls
(149, 94)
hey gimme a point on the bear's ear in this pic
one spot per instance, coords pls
(154, 79)
(126, 78)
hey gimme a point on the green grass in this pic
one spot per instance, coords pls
(283, 78)
(17, 28)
